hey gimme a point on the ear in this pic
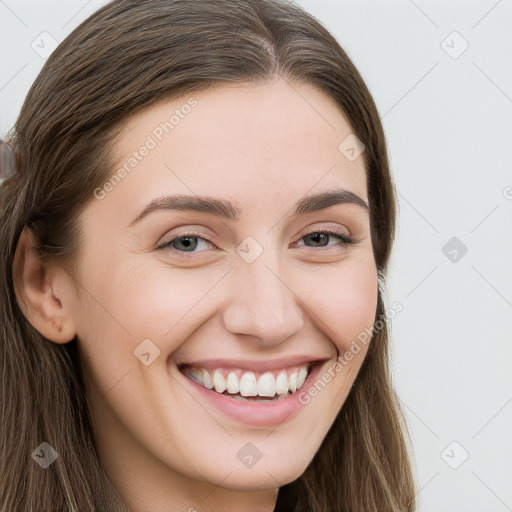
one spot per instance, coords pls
(42, 291)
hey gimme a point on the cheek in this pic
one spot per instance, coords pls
(133, 302)
(342, 299)
(160, 301)
(146, 301)
(344, 309)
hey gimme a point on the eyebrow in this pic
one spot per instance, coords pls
(228, 210)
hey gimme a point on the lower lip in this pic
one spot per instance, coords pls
(260, 414)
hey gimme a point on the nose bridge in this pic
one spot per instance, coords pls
(262, 304)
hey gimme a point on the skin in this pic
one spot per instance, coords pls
(263, 147)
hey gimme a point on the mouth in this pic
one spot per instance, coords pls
(251, 386)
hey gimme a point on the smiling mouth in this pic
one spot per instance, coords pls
(239, 384)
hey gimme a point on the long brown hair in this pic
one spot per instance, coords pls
(127, 56)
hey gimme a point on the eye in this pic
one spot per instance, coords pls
(189, 242)
(319, 237)
(186, 242)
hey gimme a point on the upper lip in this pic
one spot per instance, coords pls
(256, 365)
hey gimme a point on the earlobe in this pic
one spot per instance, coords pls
(41, 292)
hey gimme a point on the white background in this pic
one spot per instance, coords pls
(447, 114)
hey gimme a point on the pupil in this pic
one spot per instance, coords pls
(315, 236)
(188, 242)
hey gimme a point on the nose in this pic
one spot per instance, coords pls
(262, 304)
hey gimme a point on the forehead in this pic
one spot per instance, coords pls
(257, 144)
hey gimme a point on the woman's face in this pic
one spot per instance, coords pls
(248, 294)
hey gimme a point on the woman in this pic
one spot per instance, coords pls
(196, 229)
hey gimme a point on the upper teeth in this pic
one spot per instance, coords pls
(247, 384)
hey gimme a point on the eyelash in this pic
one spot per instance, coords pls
(344, 240)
